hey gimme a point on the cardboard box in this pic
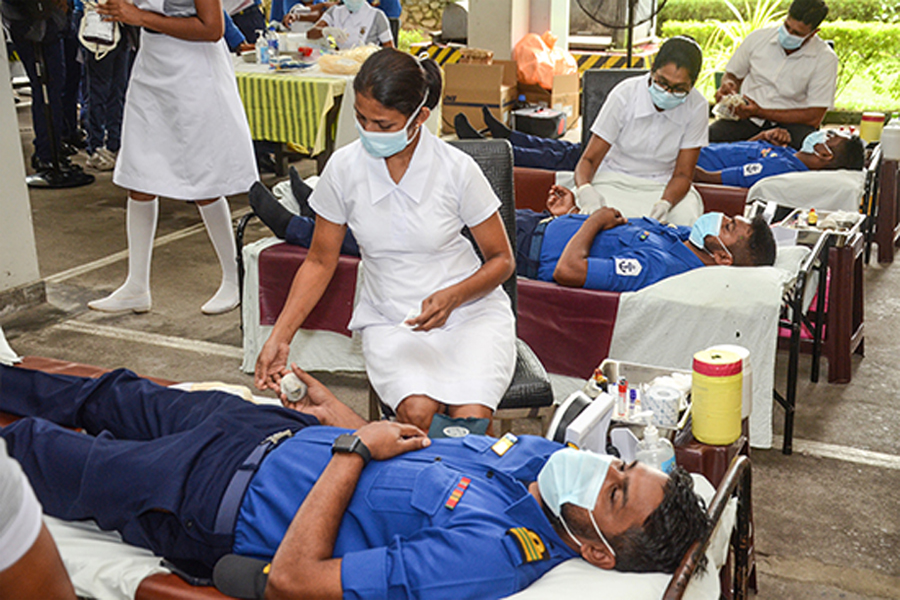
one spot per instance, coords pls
(468, 87)
(565, 96)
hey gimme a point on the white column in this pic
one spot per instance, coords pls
(552, 15)
(497, 25)
(18, 255)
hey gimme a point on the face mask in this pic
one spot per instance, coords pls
(382, 144)
(787, 40)
(665, 100)
(707, 224)
(353, 5)
(574, 476)
(814, 139)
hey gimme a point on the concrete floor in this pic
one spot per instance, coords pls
(827, 518)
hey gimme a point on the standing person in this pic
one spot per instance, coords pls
(392, 10)
(646, 140)
(184, 136)
(438, 333)
(786, 76)
(106, 78)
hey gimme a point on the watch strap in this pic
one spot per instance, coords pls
(348, 443)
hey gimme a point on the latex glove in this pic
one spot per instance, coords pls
(339, 35)
(660, 211)
(589, 199)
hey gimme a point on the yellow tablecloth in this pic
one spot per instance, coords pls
(288, 107)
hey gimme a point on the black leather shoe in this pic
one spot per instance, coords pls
(464, 129)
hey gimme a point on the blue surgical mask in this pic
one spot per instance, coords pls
(814, 139)
(354, 5)
(787, 40)
(707, 224)
(382, 144)
(663, 99)
(574, 477)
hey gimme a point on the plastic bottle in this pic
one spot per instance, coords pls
(273, 43)
(812, 218)
(622, 398)
(653, 450)
(262, 48)
(890, 139)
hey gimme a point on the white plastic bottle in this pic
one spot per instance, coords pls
(273, 44)
(262, 48)
(655, 451)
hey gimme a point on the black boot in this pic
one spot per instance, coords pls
(269, 210)
(498, 130)
(464, 129)
(301, 193)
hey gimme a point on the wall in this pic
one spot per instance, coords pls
(496, 25)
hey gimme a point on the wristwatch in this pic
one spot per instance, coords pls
(348, 443)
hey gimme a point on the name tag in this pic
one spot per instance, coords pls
(502, 445)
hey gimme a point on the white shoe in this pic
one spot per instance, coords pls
(100, 161)
(120, 301)
(224, 300)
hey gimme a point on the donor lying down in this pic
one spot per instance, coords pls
(342, 508)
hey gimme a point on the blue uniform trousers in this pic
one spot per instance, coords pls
(155, 461)
(544, 153)
(300, 230)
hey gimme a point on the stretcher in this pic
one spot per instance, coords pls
(103, 567)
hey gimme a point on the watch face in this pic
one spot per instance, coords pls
(345, 443)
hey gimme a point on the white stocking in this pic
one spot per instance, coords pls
(140, 226)
(217, 218)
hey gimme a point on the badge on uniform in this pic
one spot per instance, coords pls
(461, 488)
(505, 443)
(751, 169)
(530, 544)
(628, 267)
(644, 235)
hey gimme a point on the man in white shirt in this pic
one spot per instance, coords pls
(785, 75)
(354, 23)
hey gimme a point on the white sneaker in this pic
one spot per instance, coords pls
(100, 161)
(108, 154)
(121, 301)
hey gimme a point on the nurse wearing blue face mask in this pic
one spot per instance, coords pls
(786, 75)
(437, 331)
(645, 142)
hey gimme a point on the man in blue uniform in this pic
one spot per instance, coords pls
(601, 251)
(744, 163)
(193, 476)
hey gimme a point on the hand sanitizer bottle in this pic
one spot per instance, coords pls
(655, 451)
(262, 48)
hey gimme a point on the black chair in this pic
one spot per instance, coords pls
(530, 388)
(596, 85)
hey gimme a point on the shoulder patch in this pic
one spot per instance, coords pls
(530, 544)
(751, 169)
(628, 267)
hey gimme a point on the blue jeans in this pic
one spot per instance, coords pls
(107, 80)
(543, 153)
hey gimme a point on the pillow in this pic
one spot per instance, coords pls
(575, 579)
(822, 190)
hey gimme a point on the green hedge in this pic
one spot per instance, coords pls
(838, 10)
(865, 50)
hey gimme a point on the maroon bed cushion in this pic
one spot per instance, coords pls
(277, 265)
(568, 328)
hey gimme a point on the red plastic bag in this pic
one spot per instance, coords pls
(538, 60)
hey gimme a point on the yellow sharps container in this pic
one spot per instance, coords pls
(716, 397)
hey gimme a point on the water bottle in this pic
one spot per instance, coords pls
(655, 451)
(262, 48)
(273, 44)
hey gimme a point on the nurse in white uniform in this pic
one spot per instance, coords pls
(184, 136)
(438, 333)
(646, 140)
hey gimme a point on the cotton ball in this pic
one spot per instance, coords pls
(292, 387)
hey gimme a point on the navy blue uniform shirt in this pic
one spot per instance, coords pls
(453, 520)
(744, 163)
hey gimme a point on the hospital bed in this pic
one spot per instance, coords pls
(103, 567)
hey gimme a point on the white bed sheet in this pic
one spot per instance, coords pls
(822, 190)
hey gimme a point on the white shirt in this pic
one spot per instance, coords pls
(774, 79)
(645, 142)
(366, 26)
(408, 233)
(20, 512)
(232, 7)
